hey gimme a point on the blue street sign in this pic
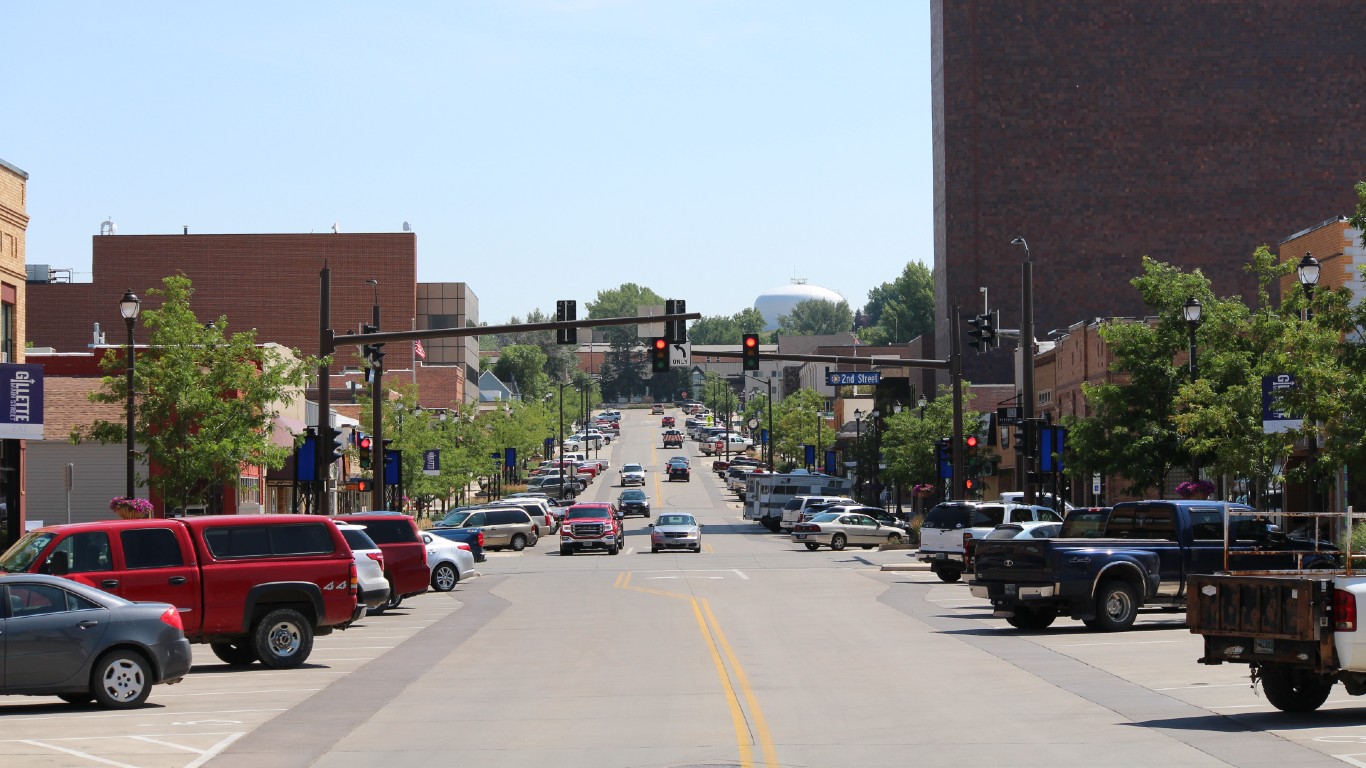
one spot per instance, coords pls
(306, 459)
(850, 378)
(391, 467)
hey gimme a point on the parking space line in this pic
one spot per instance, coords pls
(236, 693)
(1135, 642)
(1352, 759)
(142, 713)
(77, 753)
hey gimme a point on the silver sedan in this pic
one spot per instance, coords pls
(676, 531)
(837, 530)
(448, 560)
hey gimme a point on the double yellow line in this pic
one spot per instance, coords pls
(714, 638)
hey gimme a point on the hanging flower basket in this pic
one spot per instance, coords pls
(1195, 489)
(923, 490)
(130, 509)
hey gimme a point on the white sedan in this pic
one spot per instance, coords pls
(632, 474)
(449, 561)
(837, 530)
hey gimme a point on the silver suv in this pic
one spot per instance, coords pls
(502, 526)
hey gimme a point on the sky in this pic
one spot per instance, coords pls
(710, 150)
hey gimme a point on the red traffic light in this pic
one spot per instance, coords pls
(751, 341)
(972, 441)
(661, 343)
(364, 442)
(967, 484)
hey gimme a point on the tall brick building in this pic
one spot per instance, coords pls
(13, 226)
(271, 283)
(1102, 132)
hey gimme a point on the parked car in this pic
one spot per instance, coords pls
(83, 644)
(633, 501)
(551, 484)
(538, 509)
(632, 474)
(470, 537)
(502, 526)
(449, 561)
(949, 523)
(255, 587)
(1025, 530)
(795, 506)
(877, 513)
(405, 559)
(836, 530)
(369, 558)
(676, 531)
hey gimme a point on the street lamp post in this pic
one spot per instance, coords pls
(129, 306)
(1192, 311)
(877, 454)
(896, 408)
(858, 450)
(1308, 271)
(769, 383)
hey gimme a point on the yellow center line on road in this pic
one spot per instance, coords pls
(712, 635)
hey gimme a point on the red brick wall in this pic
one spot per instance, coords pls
(267, 282)
(1102, 132)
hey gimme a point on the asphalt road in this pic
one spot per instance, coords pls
(754, 652)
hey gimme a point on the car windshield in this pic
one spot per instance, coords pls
(454, 519)
(586, 513)
(20, 557)
(825, 517)
(633, 468)
(633, 495)
(677, 520)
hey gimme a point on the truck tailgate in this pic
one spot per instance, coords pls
(1262, 617)
(1024, 560)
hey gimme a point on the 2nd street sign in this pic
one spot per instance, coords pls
(850, 378)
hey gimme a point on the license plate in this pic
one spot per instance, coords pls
(1263, 645)
(1010, 589)
(938, 556)
(800, 536)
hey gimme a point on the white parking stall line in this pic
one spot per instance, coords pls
(237, 693)
(77, 753)
(1199, 687)
(143, 713)
(1352, 758)
(1134, 642)
(213, 751)
(170, 744)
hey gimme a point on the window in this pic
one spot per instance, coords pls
(227, 542)
(7, 332)
(988, 516)
(36, 600)
(248, 490)
(1206, 524)
(85, 552)
(395, 531)
(305, 539)
(150, 548)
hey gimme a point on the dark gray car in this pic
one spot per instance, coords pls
(81, 644)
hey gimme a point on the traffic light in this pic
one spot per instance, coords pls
(675, 331)
(968, 485)
(980, 333)
(659, 355)
(373, 353)
(970, 442)
(364, 443)
(991, 323)
(749, 347)
(338, 442)
(566, 310)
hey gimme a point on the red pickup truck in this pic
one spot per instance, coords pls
(592, 525)
(255, 587)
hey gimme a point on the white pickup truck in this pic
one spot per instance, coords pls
(1299, 631)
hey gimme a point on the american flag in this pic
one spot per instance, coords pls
(419, 351)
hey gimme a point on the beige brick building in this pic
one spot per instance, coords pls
(13, 225)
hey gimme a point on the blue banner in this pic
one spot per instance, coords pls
(1052, 448)
(1273, 419)
(392, 465)
(829, 462)
(763, 437)
(510, 458)
(810, 455)
(22, 416)
(306, 459)
(431, 461)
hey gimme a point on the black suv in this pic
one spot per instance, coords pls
(633, 501)
(679, 472)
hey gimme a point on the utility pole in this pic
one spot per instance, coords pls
(378, 470)
(321, 461)
(956, 374)
(1027, 366)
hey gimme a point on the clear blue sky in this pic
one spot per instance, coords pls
(541, 149)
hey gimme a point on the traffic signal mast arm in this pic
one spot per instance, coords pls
(886, 362)
(453, 333)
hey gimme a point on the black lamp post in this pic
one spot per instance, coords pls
(876, 417)
(1308, 270)
(129, 306)
(922, 404)
(858, 449)
(1192, 313)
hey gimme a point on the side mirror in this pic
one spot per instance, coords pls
(651, 525)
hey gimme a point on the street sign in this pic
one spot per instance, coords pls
(1009, 415)
(680, 355)
(852, 378)
(650, 330)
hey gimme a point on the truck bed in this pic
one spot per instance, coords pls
(1263, 617)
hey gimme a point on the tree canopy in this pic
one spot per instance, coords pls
(900, 310)
(817, 317)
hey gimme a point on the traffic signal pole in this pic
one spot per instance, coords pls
(1027, 370)
(323, 442)
(956, 375)
(377, 470)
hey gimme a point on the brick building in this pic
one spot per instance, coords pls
(1188, 132)
(270, 282)
(13, 226)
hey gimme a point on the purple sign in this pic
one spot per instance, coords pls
(21, 418)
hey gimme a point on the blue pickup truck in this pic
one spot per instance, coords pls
(471, 536)
(1141, 557)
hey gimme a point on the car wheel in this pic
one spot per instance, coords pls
(1032, 618)
(235, 654)
(867, 546)
(948, 575)
(445, 577)
(654, 550)
(1294, 690)
(813, 546)
(697, 549)
(614, 549)
(518, 543)
(121, 679)
(1116, 606)
(837, 542)
(566, 551)
(79, 699)
(283, 638)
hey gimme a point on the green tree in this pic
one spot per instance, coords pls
(722, 329)
(796, 419)
(559, 358)
(524, 364)
(622, 366)
(816, 317)
(900, 310)
(205, 399)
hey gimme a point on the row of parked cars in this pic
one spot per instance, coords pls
(102, 611)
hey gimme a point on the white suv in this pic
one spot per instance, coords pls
(374, 588)
(950, 523)
(792, 510)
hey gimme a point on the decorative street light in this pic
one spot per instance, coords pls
(129, 306)
(877, 454)
(858, 448)
(1308, 270)
(922, 403)
(1192, 313)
